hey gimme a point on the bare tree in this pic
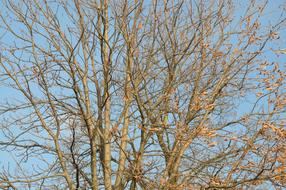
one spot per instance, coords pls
(109, 94)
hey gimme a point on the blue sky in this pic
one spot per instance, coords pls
(270, 17)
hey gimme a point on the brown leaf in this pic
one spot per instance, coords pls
(217, 54)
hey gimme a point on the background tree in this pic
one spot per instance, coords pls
(109, 94)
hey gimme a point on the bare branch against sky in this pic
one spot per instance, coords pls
(154, 94)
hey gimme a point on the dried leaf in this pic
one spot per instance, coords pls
(218, 54)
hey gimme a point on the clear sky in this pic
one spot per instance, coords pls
(270, 17)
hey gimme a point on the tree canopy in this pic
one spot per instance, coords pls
(162, 94)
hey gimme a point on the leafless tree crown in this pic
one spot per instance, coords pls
(154, 94)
